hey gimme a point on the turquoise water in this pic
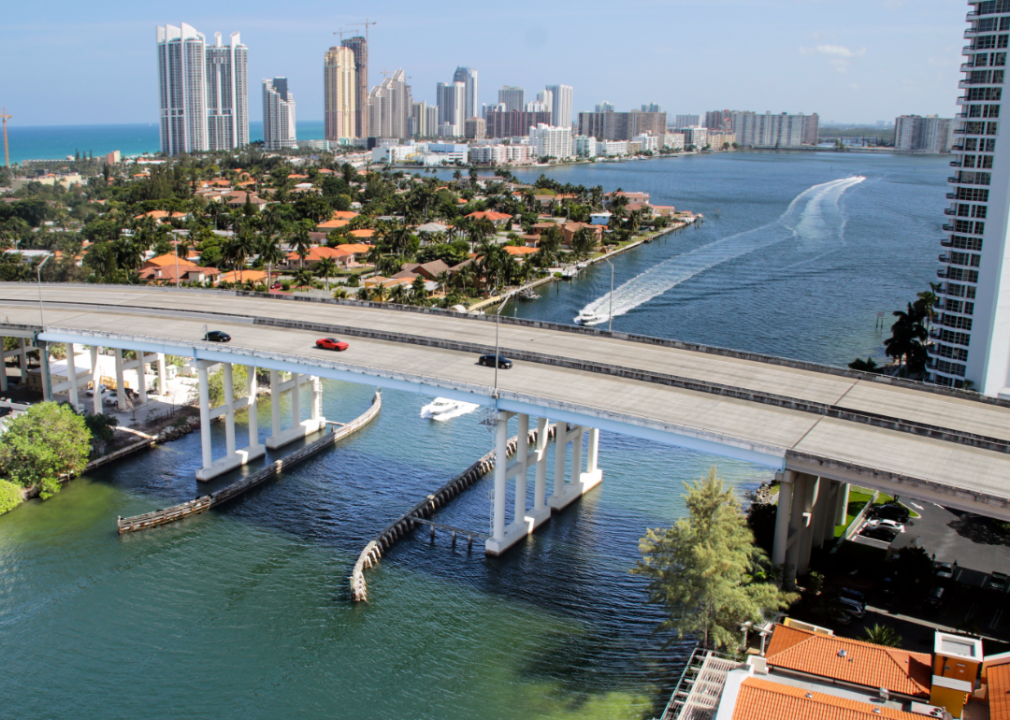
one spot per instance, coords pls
(244, 612)
(54, 142)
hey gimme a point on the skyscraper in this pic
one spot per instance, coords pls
(227, 94)
(561, 112)
(278, 115)
(182, 90)
(389, 106)
(468, 76)
(971, 335)
(684, 121)
(203, 91)
(451, 100)
(340, 94)
(605, 107)
(930, 134)
(359, 48)
(514, 98)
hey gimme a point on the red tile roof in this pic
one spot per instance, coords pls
(999, 692)
(865, 664)
(761, 699)
(489, 215)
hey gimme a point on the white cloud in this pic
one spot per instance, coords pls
(838, 56)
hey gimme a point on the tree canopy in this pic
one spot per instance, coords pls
(39, 446)
(702, 568)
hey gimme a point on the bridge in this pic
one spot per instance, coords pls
(821, 428)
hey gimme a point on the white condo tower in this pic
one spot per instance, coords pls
(971, 335)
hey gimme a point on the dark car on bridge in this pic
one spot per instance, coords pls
(217, 336)
(503, 362)
(331, 344)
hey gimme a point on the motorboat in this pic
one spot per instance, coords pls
(589, 317)
(442, 409)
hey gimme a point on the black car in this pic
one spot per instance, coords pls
(880, 533)
(503, 362)
(217, 336)
(893, 511)
(852, 595)
(935, 597)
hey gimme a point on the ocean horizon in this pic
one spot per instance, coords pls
(56, 142)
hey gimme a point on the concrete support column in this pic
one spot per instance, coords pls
(296, 399)
(142, 376)
(560, 451)
(71, 375)
(830, 514)
(275, 402)
(522, 459)
(576, 468)
(807, 535)
(201, 371)
(782, 515)
(120, 383)
(842, 510)
(254, 433)
(800, 489)
(23, 359)
(47, 380)
(96, 382)
(824, 513)
(162, 375)
(317, 399)
(593, 455)
(540, 483)
(500, 477)
(229, 404)
(3, 365)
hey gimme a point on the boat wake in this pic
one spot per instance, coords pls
(442, 409)
(814, 218)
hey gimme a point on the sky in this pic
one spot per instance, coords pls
(74, 63)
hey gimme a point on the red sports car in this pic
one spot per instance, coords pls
(331, 344)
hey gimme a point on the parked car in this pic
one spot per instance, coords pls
(853, 607)
(489, 360)
(101, 390)
(891, 524)
(276, 286)
(331, 344)
(944, 570)
(852, 595)
(998, 581)
(935, 596)
(217, 336)
(110, 400)
(893, 511)
(879, 533)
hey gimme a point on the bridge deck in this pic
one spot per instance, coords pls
(178, 318)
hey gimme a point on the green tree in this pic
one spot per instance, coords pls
(10, 496)
(270, 255)
(882, 635)
(583, 242)
(44, 443)
(326, 269)
(239, 384)
(702, 568)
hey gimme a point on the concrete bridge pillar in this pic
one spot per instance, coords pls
(783, 515)
(299, 428)
(842, 511)
(72, 375)
(581, 481)
(3, 365)
(162, 375)
(47, 380)
(496, 544)
(252, 390)
(522, 470)
(540, 512)
(23, 359)
(813, 497)
(96, 381)
(234, 457)
(120, 382)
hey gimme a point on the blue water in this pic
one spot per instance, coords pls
(55, 142)
(244, 612)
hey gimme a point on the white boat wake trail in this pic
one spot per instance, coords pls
(814, 218)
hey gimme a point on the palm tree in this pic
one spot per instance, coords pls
(882, 635)
(239, 248)
(302, 244)
(271, 254)
(380, 293)
(304, 278)
(399, 294)
(442, 280)
(907, 336)
(340, 294)
(326, 269)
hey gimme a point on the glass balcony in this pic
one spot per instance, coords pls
(944, 258)
(942, 273)
(949, 211)
(952, 196)
(947, 227)
(946, 242)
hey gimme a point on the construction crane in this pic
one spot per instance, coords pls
(7, 152)
(366, 24)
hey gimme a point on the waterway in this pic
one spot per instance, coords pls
(244, 612)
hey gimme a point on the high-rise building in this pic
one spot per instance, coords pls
(182, 89)
(561, 109)
(514, 98)
(514, 123)
(605, 107)
(418, 119)
(475, 128)
(685, 121)
(340, 94)
(719, 120)
(451, 111)
(651, 107)
(611, 125)
(971, 335)
(468, 76)
(770, 130)
(278, 115)
(389, 106)
(927, 135)
(555, 142)
(431, 121)
(227, 94)
(359, 48)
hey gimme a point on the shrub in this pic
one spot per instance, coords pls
(44, 443)
(10, 496)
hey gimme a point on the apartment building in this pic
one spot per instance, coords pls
(514, 123)
(930, 135)
(774, 130)
(340, 94)
(561, 108)
(611, 125)
(551, 141)
(278, 115)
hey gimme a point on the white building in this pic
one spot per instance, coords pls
(451, 107)
(585, 145)
(551, 141)
(468, 76)
(446, 154)
(971, 335)
(389, 107)
(928, 135)
(182, 89)
(611, 148)
(686, 121)
(768, 130)
(561, 111)
(278, 115)
(646, 142)
(398, 154)
(227, 94)
(674, 141)
(697, 136)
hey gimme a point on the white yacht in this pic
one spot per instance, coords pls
(442, 409)
(589, 317)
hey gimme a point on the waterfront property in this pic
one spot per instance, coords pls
(780, 414)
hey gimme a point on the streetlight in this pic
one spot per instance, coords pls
(497, 357)
(42, 318)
